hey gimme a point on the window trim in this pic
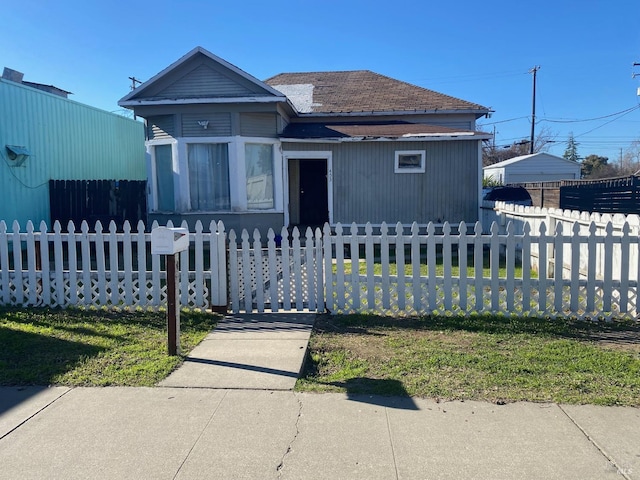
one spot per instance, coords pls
(400, 153)
(153, 199)
(273, 178)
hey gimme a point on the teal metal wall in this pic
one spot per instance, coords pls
(67, 141)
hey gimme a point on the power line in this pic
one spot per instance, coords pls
(635, 107)
(606, 123)
(505, 121)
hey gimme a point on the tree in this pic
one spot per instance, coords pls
(595, 166)
(630, 161)
(571, 152)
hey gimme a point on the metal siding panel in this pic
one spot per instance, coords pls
(161, 126)
(67, 140)
(258, 124)
(204, 82)
(366, 189)
(219, 124)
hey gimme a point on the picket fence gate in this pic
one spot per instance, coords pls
(397, 270)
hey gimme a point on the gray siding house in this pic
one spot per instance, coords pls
(536, 167)
(305, 148)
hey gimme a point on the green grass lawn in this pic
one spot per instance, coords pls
(495, 358)
(455, 269)
(92, 347)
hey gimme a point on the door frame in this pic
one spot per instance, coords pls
(307, 155)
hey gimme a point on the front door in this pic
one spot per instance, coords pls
(308, 197)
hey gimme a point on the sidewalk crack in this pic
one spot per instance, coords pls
(619, 469)
(36, 413)
(280, 466)
(213, 414)
(393, 450)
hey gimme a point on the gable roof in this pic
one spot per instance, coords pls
(522, 158)
(201, 68)
(363, 91)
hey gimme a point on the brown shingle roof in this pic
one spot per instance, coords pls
(366, 91)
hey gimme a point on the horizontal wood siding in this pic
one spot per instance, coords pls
(161, 126)
(219, 124)
(204, 82)
(541, 168)
(366, 189)
(258, 124)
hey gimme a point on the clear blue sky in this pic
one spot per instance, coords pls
(478, 51)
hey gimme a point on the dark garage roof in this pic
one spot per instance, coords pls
(370, 130)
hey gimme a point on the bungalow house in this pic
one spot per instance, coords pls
(305, 148)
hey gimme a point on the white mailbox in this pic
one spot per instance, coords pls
(168, 241)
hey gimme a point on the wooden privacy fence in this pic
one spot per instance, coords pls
(93, 200)
(614, 195)
(396, 270)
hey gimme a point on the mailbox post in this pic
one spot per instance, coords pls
(170, 242)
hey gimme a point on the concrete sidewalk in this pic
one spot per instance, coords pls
(250, 351)
(197, 433)
(229, 412)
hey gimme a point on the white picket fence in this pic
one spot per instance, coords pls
(396, 270)
(444, 284)
(105, 268)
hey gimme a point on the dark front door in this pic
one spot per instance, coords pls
(314, 204)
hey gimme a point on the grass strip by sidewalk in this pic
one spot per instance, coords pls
(483, 357)
(92, 347)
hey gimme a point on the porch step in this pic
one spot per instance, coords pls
(248, 352)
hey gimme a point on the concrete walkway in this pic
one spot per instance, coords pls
(251, 351)
(232, 415)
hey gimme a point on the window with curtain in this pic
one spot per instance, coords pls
(164, 178)
(259, 168)
(209, 176)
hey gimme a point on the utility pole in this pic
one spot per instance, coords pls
(534, 70)
(134, 81)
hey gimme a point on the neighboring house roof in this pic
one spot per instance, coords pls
(371, 130)
(521, 158)
(363, 91)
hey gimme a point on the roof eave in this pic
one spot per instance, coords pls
(192, 101)
(391, 112)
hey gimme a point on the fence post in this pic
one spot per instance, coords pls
(320, 303)
(17, 264)
(217, 252)
(4, 263)
(33, 265)
(328, 269)
(551, 228)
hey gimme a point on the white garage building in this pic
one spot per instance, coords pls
(537, 167)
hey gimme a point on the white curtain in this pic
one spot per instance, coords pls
(209, 176)
(259, 168)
